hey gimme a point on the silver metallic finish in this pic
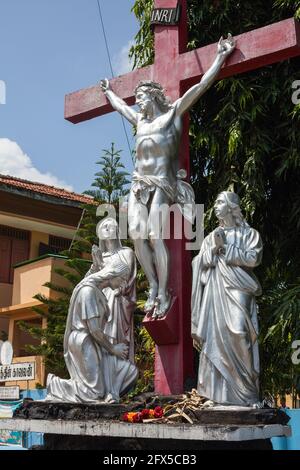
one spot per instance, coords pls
(98, 341)
(224, 311)
(157, 180)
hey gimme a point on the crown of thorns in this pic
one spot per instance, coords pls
(149, 83)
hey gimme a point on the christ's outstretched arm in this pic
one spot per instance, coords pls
(225, 48)
(117, 103)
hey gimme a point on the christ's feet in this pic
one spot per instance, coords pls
(162, 305)
(150, 303)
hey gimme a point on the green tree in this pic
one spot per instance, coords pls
(111, 180)
(244, 136)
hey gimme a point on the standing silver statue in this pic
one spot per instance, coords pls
(224, 311)
(157, 180)
(98, 341)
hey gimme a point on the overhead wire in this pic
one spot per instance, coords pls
(112, 72)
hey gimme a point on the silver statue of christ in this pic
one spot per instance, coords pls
(157, 180)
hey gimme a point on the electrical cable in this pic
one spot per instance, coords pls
(111, 70)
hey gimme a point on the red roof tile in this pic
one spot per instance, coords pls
(44, 189)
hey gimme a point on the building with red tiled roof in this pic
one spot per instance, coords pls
(11, 183)
(37, 222)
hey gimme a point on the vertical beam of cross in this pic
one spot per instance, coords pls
(174, 362)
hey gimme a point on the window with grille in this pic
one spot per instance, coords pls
(12, 232)
(59, 243)
(14, 248)
(56, 245)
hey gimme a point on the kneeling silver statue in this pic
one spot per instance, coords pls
(224, 311)
(98, 341)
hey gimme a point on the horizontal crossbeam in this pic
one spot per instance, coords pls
(257, 48)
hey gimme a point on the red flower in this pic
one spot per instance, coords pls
(137, 418)
(158, 412)
(145, 413)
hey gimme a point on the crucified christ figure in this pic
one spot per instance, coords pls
(156, 180)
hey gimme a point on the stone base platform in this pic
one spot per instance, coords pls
(78, 426)
(105, 435)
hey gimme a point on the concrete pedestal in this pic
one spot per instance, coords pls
(104, 435)
(79, 426)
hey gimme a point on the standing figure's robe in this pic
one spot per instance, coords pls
(224, 317)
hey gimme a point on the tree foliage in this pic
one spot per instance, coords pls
(244, 136)
(142, 52)
(111, 180)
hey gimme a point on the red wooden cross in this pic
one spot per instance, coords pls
(177, 70)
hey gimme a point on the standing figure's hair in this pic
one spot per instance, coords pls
(233, 202)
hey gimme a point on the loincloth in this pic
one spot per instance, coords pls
(181, 192)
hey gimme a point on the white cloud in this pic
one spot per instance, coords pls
(14, 162)
(121, 62)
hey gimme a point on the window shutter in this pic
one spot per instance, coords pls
(20, 251)
(5, 259)
(14, 248)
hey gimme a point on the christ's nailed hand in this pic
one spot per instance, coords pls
(226, 46)
(104, 84)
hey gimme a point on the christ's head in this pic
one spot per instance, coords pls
(148, 93)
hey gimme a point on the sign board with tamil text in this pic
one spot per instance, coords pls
(19, 371)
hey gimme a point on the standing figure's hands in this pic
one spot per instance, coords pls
(226, 46)
(219, 239)
(104, 84)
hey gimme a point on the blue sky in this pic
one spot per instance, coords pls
(47, 49)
